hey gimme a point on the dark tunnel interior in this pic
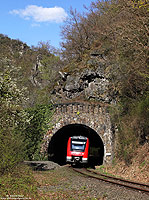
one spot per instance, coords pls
(57, 148)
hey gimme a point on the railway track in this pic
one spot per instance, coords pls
(117, 181)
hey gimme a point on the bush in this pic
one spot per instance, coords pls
(131, 118)
(11, 115)
(39, 124)
(11, 151)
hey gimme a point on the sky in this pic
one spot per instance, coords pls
(33, 21)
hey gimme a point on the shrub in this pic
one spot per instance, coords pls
(39, 124)
(11, 114)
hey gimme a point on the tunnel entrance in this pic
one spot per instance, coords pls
(57, 148)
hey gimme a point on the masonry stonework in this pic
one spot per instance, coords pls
(94, 116)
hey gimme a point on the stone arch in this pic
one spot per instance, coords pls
(58, 144)
(96, 117)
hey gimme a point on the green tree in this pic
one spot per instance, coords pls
(39, 124)
(118, 29)
(11, 115)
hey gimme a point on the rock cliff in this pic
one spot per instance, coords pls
(91, 83)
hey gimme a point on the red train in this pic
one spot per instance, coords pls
(77, 150)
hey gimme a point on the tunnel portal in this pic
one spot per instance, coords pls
(90, 120)
(57, 148)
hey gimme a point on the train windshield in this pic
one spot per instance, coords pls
(78, 145)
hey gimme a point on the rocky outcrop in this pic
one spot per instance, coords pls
(92, 83)
(35, 73)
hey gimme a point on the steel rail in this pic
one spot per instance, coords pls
(120, 179)
(146, 190)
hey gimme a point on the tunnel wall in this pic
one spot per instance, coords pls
(93, 116)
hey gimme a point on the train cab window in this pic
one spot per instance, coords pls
(78, 145)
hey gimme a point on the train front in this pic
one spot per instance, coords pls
(77, 150)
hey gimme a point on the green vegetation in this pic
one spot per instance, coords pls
(11, 115)
(19, 184)
(35, 68)
(14, 179)
(21, 127)
(39, 124)
(118, 30)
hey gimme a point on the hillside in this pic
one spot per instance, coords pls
(35, 68)
(103, 59)
(115, 32)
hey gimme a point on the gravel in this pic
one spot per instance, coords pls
(81, 187)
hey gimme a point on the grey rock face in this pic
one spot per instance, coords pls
(91, 83)
(72, 83)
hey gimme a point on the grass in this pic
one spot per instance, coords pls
(18, 184)
(143, 164)
(61, 183)
(104, 170)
